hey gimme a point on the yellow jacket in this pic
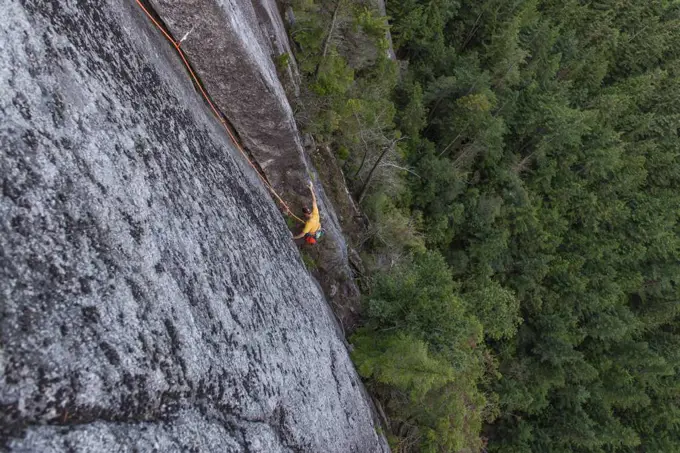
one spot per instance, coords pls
(313, 224)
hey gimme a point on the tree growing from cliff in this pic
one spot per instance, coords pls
(347, 101)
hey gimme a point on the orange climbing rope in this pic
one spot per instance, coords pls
(176, 45)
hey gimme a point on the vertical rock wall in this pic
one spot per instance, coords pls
(150, 296)
(231, 44)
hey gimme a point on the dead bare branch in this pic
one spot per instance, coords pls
(389, 164)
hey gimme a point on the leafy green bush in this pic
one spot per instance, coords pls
(371, 22)
(309, 262)
(334, 77)
(342, 152)
(282, 61)
(392, 230)
(401, 361)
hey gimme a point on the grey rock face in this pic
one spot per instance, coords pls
(233, 57)
(150, 296)
(231, 47)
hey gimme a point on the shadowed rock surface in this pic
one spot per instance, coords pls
(232, 52)
(150, 296)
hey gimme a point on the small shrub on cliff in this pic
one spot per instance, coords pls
(282, 61)
(371, 22)
(342, 152)
(309, 262)
(334, 77)
(346, 101)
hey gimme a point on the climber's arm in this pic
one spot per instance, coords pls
(305, 230)
(315, 208)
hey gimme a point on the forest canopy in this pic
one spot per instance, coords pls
(535, 303)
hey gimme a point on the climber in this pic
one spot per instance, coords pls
(312, 230)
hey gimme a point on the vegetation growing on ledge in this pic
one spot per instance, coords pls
(521, 170)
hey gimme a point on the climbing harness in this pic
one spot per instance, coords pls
(220, 117)
(313, 238)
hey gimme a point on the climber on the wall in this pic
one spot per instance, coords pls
(312, 230)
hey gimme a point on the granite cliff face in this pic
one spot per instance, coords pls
(150, 296)
(231, 44)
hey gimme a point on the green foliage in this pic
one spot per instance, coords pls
(291, 222)
(346, 102)
(540, 145)
(419, 351)
(400, 361)
(419, 296)
(391, 226)
(308, 34)
(335, 76)
(545, 135)
(372, 23)
(282, 61)
(342, 152)
(496, 307)
(309, 262)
